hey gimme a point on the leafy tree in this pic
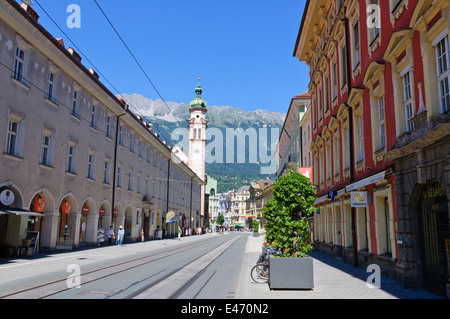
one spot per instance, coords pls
(220, 220)
(287, 213)
(255, 226)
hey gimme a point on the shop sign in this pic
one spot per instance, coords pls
(116, 212)
(7, 197)
(102, 211)
(358, 199)
(39, 205)
(306, 171)
(65, 208)
(85, 210)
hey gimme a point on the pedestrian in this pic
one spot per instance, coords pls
(120, 234)
(110, 235)
(179, 233)
(100, 235)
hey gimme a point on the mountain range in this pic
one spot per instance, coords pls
(169, 116)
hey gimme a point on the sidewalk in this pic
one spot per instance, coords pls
(333, 279)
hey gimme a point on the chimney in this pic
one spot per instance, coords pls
(61, 42)
(30, 11)
(75, 55)
(94, 73)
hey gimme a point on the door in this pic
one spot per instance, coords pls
(3, 227)
(434, 234)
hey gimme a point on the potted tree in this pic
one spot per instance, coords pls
(255, 226)
(288, 229)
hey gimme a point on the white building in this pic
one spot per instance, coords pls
(73, 156)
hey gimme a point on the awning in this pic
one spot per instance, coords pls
(321, 199)
(366, 181)
(19, 212)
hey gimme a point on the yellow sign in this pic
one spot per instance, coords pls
(169, 216)
(358, 199)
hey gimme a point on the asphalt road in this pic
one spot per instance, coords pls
(207, 267)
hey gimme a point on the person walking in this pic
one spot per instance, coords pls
(100, 235)
(110, 235)
(179, 233)
(120, 235)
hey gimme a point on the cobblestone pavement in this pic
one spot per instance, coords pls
(333, 279)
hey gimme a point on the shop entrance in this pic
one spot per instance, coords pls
(434, 236)
(3, 227)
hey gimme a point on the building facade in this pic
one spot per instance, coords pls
(74, 157)
(379, 81)
(290, 142)
(213, 201)
(237, 214)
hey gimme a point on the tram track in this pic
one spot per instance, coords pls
(57, 287)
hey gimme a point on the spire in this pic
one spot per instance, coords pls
(198, 102)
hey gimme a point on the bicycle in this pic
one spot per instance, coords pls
(260, 272)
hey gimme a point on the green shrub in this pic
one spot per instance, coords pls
(287, 213)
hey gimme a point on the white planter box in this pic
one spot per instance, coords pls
(291, 273)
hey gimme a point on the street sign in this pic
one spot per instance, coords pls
(358, 199)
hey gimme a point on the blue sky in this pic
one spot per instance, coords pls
(242, 50)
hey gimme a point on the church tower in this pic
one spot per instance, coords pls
(197, 134)
(197, 146)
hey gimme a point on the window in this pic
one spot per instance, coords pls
(140, 146)
(106, 171)
(11, 145)
(108, 126)
(119, 176)
(72, 157)
(149, 154)
(131, 144)
(334, 84)
(347, 148)
(327, 94)
(361, 138)
(91, 165)
(374, 26)
(93, 116)
(381, 126)
(19, 64)
(147, 187)
(314, 112)
(443, 71)
(321, 167)
(139, 182)
(329, 161)
(356, 45)
(408, 101)
(337, 155)
(120, 136)
(75, 103)
(51, 86)
(130, 180)
(45, 152)
(343, 63)
(320, 104)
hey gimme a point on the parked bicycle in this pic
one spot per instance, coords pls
(260, 272)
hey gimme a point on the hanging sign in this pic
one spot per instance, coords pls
(85, 210)
(39, 205)
(102, 211)
(358, 199)
(116, 212)
(65, 208)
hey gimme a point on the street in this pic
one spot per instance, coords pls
(158, 269)
(211, 266)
